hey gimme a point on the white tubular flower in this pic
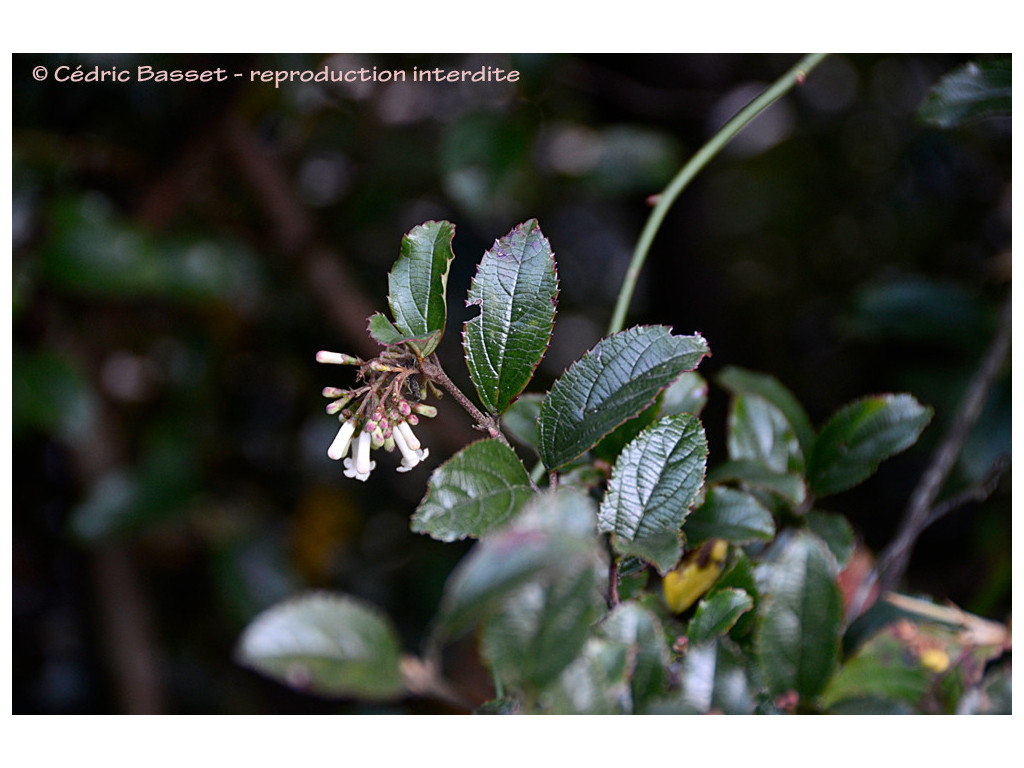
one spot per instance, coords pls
(410, 438)
(335, 358)
(410, 456)
(361, 467)
(340, 445)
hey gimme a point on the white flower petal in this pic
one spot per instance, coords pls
(344, 438)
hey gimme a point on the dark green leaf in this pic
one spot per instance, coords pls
(740, 381)
(835, 531)
(331, 645)
(756, 475)
(516, 289)
(717, 613)
(921, 311)
(92, 252)
(971, 92)
(801, 615)
(417, 284)
(612, 444)
(687, 394)
(53, 396)
(860, 436)
(729, 514)
(740, 575)
(554, 537)
(613, 382)
(520, 420)
(654, 482)
(758, 431)
(540, 629)
(478, 490)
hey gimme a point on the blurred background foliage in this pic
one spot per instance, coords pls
(180, 252)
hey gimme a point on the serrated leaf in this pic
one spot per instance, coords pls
(384, 333)
(613, 382)
(801, 614)
(417, 284)
(516, 288)
(717, 613)
(740, 381)
(859, 436)
(729, 514)
(520, 420)
(554, 536)
(790, 486)
(654, 482)
(330, 645)
(612, 444)
(476, 491)
(968, 93)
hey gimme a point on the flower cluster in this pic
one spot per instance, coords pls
(379, 414)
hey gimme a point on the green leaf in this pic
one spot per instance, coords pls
(555, 536)
(687, 394)
(516, 289)
(384, 333)
(611, 445)
(596, 683)
(90, 251)
(971, 92)
(613, 382)
(740, 575)
(883, 669)
(417, 284)
(789, 486)
(860, 436)
(478, 490)
(801, 616)
(642, 637)
(740, 381)
(836, 531)
(541, 629)
(713, 677)
(520, 420)
(729, 514)
(717, 613)
(331, 645)
(52, 395)
(654, 482)
(758, 431)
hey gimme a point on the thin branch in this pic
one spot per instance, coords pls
(973, 495)
(921, 512)
(432, 369)
(794, 76)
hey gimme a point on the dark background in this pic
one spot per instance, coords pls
(180, 252)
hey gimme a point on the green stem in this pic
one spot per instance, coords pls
(696, 163)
